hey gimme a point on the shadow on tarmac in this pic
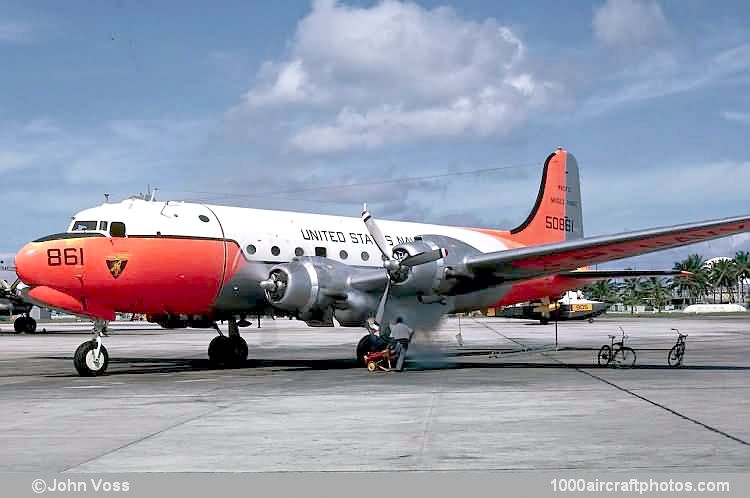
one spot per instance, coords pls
(119, 366)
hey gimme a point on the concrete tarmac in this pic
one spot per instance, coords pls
(506, 399)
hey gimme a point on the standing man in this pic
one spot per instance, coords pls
(401, 333)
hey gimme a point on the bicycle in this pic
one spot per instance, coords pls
(617, 353)
(678, 350)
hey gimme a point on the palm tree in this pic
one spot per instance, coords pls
(630, 293)
(724, 276)
(602, 290)
(694, 285)
(657, 291)
(742, 267)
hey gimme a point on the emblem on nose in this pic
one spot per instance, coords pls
(117, 266)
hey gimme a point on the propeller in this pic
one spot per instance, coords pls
(9, 288)
(274, 286)
(394, 265)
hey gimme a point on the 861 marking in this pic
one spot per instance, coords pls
(70, 256)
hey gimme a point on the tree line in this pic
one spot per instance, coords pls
(716, 282)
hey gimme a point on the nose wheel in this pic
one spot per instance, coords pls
(91, 358)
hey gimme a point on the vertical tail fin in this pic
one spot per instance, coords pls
(557, 214)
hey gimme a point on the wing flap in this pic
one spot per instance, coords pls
(534, 261)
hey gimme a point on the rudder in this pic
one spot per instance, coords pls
(556, 215)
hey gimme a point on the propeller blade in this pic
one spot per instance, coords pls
(424, 257)
(381, 305)
(14, 285)
(375, 233)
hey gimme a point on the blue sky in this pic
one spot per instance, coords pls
(246, 103)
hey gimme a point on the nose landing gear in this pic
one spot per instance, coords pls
(91, 358)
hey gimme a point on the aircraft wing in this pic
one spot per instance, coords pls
(548, 259)
(605, 274)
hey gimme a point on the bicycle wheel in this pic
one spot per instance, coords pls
(675, 356)
(605, 356)
(625, 357)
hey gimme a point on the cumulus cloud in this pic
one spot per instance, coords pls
(362, 77)
(629, 23)
(737, 117)
(15, 31)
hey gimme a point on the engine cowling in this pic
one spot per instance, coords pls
(312, 283)
(423, 279)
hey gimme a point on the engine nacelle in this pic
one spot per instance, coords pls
(421, 280)
(306, 284)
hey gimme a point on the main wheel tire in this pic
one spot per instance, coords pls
(367, 345)
(675, 356)
(625, 357)
(19, 324)
(605, 356)
(237, 350)
(85, 360)
(218, 350)
(30, 325)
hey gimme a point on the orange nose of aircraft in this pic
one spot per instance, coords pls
(28, 264)
(53, 263)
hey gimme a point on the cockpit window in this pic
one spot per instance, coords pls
(117, 229)
(83, 226)
(103, 226)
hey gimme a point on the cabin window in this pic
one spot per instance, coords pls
(321, 251)
(103, 226)
(84, 226)
(203, 218)
(299, 252)
(365, 255)
(343, 254)
(117, 229)
(275, 250)
(250, 249)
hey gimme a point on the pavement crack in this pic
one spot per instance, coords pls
(631, 393)
(663, 407)
(426, 425)
(147, 436)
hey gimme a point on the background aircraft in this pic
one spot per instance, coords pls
(11, 304)
(210, 263)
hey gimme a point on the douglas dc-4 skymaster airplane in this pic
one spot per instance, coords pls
(208, 263)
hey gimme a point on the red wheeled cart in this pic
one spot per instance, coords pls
(380, 360)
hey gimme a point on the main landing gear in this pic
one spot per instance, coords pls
(228, 350)
(24, 324)
(91, 358)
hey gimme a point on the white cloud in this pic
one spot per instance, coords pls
(115, 152)
(681, 73)
(397, 72)
(629, 23)
(739, 117)
(12, 159)
(15, 32)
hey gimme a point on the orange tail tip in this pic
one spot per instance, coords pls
(556, 215)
